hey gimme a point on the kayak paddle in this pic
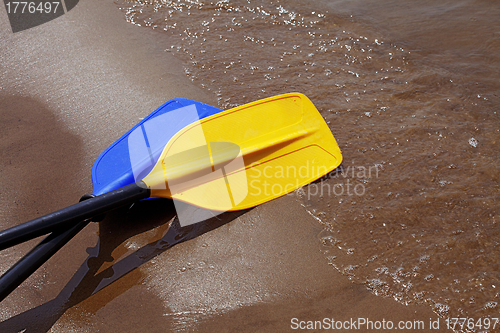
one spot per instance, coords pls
(111, 170)
(231, 160)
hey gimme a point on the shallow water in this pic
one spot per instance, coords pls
(410, 91)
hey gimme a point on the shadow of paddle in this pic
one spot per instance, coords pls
(156, 218)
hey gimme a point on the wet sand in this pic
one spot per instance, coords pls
(69, 88)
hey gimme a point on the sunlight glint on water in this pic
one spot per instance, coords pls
(423, 227)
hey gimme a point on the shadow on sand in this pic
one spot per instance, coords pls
(157, 216)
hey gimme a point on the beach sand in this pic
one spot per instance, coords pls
(68, 89)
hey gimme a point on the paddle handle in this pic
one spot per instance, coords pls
(73, 214)
(28, 264)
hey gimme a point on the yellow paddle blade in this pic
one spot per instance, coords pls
(247, 155)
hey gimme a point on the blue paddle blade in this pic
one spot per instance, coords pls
(113, 168)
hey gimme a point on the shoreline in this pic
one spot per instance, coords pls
(261, 269)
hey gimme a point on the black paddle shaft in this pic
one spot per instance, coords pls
(28, 264)
(71, 215)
